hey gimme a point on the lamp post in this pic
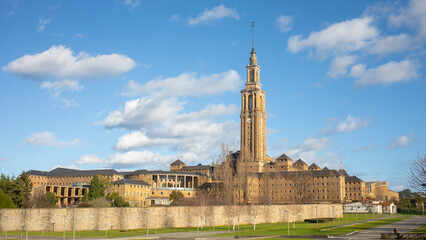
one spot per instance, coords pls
(26, 233)
(73, 224)
(5, 235)
(64, 226)
(106, 227)
(333, 215)
(316, 213)
(288, 222)
(147, 223)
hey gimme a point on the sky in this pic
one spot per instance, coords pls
(137, 84)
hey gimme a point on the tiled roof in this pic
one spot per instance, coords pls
(343, 172)
(352, 179)
(177, 162)
(299, 161)
(313, 165)
(284, 157)
(294, 173)
(59, 172)
(198, 167)
(130, 181)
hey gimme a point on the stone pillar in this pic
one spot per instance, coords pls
(184, 182)
(167, 181)
(176, 179)
(192, 184)
(158, 181)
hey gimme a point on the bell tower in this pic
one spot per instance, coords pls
(253, 118)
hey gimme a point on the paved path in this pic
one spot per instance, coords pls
(403, 226)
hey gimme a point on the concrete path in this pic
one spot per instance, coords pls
(403, 226)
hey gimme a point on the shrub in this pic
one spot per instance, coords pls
(5, 201)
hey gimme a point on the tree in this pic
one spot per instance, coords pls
(95, 188)
(301, 181)
(43, 200)
(242, 183)
(5, 200)
(406, 193)
(224, 174)
(417, 174)
(176, 197)
(100, 202)
(21, 191)
(119, 202)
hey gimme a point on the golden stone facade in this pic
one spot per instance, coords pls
(253, 119)
(269, 180)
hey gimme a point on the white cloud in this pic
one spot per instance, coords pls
(309, 148)
(143, 112)
(350, 124)
(49, 139)
(215, 13)
(284, 23)
(139, 140)
(385, 74)
(414, 16)
(56, 87)
(89, 159)
(128, 159)
(188, 84)
(2, 159)
(67, 103)
(79, 35)
(391, 44)
(42, 23)
(401, 141)
(60, 62)
(211, 111)
(341, 37)
(132, 3)
(339, 66)
(363, 148)
(174, 18)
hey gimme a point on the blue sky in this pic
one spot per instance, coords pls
(132, 84)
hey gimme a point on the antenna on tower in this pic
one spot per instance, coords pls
(252, 35)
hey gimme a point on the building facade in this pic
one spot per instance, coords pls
(273, 180)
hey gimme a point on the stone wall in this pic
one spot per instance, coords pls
(157, 217)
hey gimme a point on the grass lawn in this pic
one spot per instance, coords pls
(261, 229)
(421, 229)
(308, 228)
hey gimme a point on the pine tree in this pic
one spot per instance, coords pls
(95, 188)
(21, 190)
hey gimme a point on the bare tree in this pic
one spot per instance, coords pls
(265, 189)
(417, 174)
(254, 210)
(301, 181)
(242, 183)
(224, 175)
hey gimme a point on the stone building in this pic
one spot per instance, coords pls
(379, 190)
(140, 188)
(274, 180)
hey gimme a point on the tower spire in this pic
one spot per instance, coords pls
(252, 35)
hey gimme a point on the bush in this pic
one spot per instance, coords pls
(119, 202)
(5, 201)
(100, 202)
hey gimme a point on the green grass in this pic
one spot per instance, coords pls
(261, 229)
(421, 229)
(308, 228)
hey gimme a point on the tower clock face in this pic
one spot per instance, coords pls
(249, 120)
